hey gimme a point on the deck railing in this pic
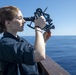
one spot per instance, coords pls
(50, 67)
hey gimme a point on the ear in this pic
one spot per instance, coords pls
(7, 23)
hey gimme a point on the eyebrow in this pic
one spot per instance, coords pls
(19, 17)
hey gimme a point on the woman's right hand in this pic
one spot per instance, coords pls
(40, 22)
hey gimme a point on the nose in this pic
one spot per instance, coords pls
(24, 21)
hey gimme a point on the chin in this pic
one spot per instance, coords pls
(21, 30)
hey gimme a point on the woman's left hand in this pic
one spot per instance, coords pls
(47, 35)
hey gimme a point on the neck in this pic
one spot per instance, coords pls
(13, 33)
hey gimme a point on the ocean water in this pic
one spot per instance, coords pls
(62, 49)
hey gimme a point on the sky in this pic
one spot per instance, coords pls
(62, 12)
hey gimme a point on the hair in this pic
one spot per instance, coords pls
(7, 13)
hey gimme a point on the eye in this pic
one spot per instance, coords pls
(20, 18)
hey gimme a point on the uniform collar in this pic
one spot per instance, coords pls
(9, 35)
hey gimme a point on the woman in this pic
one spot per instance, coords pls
(17, 56)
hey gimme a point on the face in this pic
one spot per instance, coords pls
(17, 24)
